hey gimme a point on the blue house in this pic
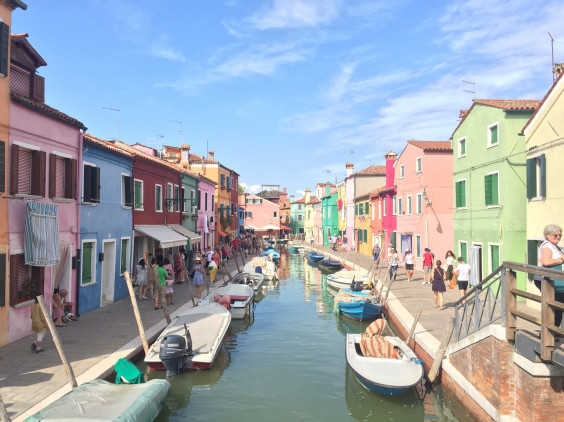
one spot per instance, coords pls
(106, 228)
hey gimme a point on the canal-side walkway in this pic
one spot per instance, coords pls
(92, 345)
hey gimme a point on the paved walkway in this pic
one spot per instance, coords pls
(95, 342)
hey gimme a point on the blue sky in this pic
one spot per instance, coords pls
(287, 91)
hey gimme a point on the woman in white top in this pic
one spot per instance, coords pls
(449, 265)
(408, 259)
(141, 274)
(393, 262)
(551, 255)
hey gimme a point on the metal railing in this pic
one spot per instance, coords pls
(482, 305)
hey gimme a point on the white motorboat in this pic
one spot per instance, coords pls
(255, 280)
(206, 324)
(267, 267)
(343, 279)
(236, 298)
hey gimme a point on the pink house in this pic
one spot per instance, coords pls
(423, 203)
(45, 150)
(262, 214)
(206, 211)
(388, 195)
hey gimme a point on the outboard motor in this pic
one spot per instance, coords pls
(356, 286)
(174, 353)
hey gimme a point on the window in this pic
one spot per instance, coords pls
(4, 48)
(418, 245)
(169, 193)
(373, 216)
(221, 209)
(28, 171)
(299, 205)
(212, 203)
(124, 255)
(360, 209)
(88, 259)
(462, 147)
(24, 280)
(463, 250)
(228, 183)
(90, 183)
(402, 171)
(460, 194)
(366, 208)
(384, 202)
(126, 191)
(300, 217)
(493, 135)
(409, 205)
(328, 212)
(62, 177)
(365, 236)
(228, 211)
(158, 198)
(176, 197)
(205, 201)
(379, 210)
(418, 164)
(138, 194)
(419, 204)
(233, 209)
(355, 209)
(248, 214)
(182, 198)
(193, 205)
(494, 256)
(275, 214)
(222, 180)
(491, 187)
(536, 177)
(400, 207)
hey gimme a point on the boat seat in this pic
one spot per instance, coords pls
(223, 300)
(235, 298)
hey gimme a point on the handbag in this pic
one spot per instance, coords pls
(452, 282)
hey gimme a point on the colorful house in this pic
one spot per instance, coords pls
(341, 201)
(389, 220)
(490, 193)
(376, 226)
(362, 226)
(6, 9)
(309, 223)
(206, 223)
(297, 209)
(423, 203)
(545, 193)
(329, 214)
(105, 223)
(262, 214)
(44, 181)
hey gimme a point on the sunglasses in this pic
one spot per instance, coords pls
(557, 235)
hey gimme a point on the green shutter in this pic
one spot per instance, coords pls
(463, 147)
(4, 48)
(495, 189)
(531, 178)
(464, 251)
(418, 245)
(488, 189)
(458, 195)
(365, 236)
(493, 133)
(491, 189)
(123, 261)
(366, 208)
(494, 253)
(137, 194)
(532, 255)
(86, 263)
(542, 177)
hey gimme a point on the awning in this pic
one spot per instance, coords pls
(167, 237)
(284, 228)
(249, 227)
(221, 232)
(185, 232)
(269, 227)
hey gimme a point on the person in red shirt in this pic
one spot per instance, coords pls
(428, 258)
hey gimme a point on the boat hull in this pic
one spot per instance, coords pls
(384, 376)
(362, 311)
(315, 257)
(240, 299)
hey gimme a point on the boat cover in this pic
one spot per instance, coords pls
(373, 344)
(99, 400)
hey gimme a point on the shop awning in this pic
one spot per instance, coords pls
(185, 232)
(167, 237)
(249, 227)
(221, 232)
(284, 228)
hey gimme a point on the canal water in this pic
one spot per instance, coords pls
(287, 363)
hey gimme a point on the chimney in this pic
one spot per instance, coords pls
(211, 155)
(284, 190)
(390, 169)
(350, 168)
(185, 152)
(307, 196)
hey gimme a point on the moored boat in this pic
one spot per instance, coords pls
(236, 298)
(267, 267)
(100, 400)
(362, 306)
(384, 365)
(314, 257)
(329, 265)
(255, 280)
(206, 323)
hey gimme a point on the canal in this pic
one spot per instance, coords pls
(287, 363)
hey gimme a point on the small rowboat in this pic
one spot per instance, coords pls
(329, 265)
(236, 298)
(314, 257)
(385, 365)
(362, 306)
(255, 280)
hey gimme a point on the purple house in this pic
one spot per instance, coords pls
(44, 158)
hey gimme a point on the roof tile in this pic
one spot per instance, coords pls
(432, 145)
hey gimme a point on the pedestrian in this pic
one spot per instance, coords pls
(393, 262)
(462, 273)
(409, 265)
(209, 254)
(168, 267)
(340, 243)
(152, 279)
(58, 310)
(552, 256)
(198, 276)
(428, 258)
(141, 279)
(449, 265)
(376, 250)
(169, 290)
(311, 239)
(334, 242)
(38, 325)
(438, 286)
(162, 275)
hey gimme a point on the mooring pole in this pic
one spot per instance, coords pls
(434, 371)
(413, 327)
(136, 312)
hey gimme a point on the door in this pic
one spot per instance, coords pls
(405, 243)
(108, 276)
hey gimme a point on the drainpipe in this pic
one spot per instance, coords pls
(77, 231)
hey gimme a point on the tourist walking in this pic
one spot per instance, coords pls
(311, 239)
(438, 286)
(198, 276)
(393, 262)
(462, 274)
(141, 279)
(449, 265)
(162, 276)
(334, 242)
(428, 258)
(152, 279)
(38, 326)
(376, 250)
(409, 265)
(552, 256)
(179, 268)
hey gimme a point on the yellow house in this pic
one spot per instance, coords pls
(545, 148)
(309, 221)
(362, 226)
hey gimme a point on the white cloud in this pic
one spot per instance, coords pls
(160, 48)
(250, 188)
(295, 13)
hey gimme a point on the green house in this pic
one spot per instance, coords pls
(329, 213)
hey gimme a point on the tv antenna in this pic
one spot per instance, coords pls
(179, 123)
(116, 110)
(552, 45)
(473, 92)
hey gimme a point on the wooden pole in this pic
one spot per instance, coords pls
(413, 327)
(4, 417)
(236, 262)
(242, 258)
(434, 371)
(136, 312)
(388, 290)
(58, 342)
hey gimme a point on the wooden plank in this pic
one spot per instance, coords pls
(526, 316)
(547, 317)
(556, 305)
(532, 269)
(437, 362)
(136, 312)
(511, 305)
(556, 330)
(413, 327)
(527, 295)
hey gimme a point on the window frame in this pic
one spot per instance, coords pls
(490, 255)
(169, 196)
(384, 203)
(70, 178)
(93, 269)
(418, 246)
(492, 205)
(460, 243)
(142, 194)
(536, 177)
(160, 200)
(418, 164)
(176, 198)
(128, 254)
(409, 204)
(38, 170)
(402, 171)
(465, 206)
(400, 205)
(419, 203)
(461, 142)
(489, 135)
(94, 198)
(123, 191)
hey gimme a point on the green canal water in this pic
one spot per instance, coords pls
(287, 363)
